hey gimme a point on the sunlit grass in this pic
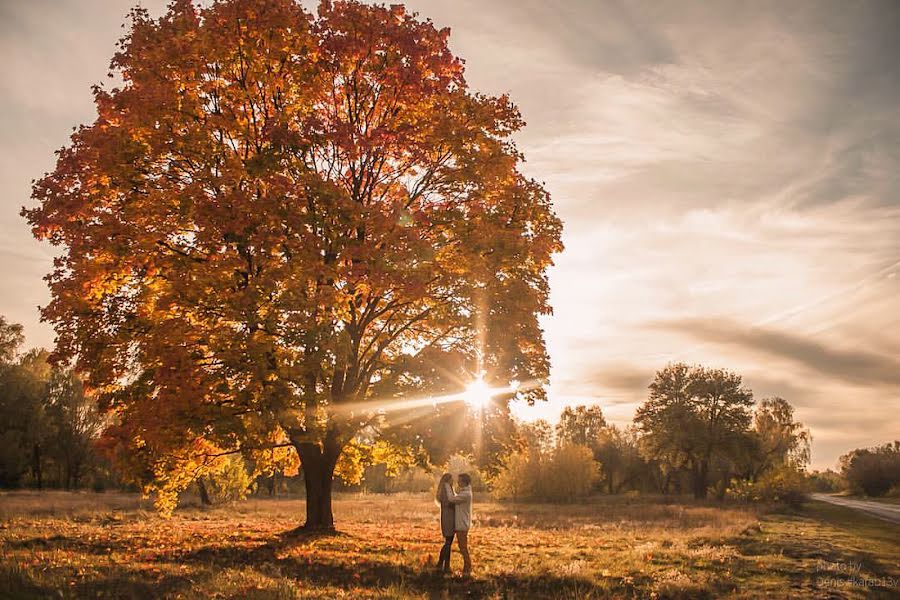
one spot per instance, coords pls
(94, 545)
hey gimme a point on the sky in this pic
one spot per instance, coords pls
(727, 174)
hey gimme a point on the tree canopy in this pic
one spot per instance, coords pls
(694, 416)
(274, 221)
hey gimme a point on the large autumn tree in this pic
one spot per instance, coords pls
(273, 220)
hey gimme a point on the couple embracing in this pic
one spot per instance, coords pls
(456, 519)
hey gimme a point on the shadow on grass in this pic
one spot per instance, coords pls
(68, 544)
(123, 584)
(273, 559)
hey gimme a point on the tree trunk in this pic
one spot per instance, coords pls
(204, 493)
(667, 480)
(722, 486)
(36, 467)
(701, 480)
(318, 463)
(76, 474)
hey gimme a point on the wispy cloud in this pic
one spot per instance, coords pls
(858, 366)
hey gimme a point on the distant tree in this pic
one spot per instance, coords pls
(569, 473)
(615, 450)
(621, 463)
(537, 436)
(827, 481)
(11, 339)
(778, 439)
(872, 471)
(783, 483)
(47, 424)
(73, 425)
(23, 429)
(271, 220)
(581, 425)
(519, 478)
(692, 418)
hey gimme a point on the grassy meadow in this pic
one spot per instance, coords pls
(84, 545)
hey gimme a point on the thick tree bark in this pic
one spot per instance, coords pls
(318, 463)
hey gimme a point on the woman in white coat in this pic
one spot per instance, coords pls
(462, 501)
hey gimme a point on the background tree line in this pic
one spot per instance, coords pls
(48, 424)
(873, 471)
(699, 432)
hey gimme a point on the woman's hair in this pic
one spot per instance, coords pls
(464, 479)
(440, 495)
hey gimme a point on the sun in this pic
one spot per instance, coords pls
(478, 393)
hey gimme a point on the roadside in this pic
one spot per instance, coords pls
(882, 510)
(820, 551)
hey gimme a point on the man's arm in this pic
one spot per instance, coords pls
(453, 497)
(463, 496)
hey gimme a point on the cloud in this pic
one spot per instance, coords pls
(612, 381)
(855, 366)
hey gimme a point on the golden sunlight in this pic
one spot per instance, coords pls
(478, 393)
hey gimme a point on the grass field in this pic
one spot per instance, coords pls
(112, 546)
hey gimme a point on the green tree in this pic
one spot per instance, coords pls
(827, 481)
(24, 380)
(620, 460)
(563, 473)
(228, 483)
(872, 471)
(693, 417)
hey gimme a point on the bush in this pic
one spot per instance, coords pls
(826, 482)
(784, 484)
(564, 474)
(572, 473)
(518, 478)
(230, 482)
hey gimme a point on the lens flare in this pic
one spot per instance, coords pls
(478, 393)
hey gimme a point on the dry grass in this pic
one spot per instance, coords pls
(112, 546)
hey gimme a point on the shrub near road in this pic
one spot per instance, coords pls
(87, 546)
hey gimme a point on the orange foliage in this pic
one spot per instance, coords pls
(272, 217)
